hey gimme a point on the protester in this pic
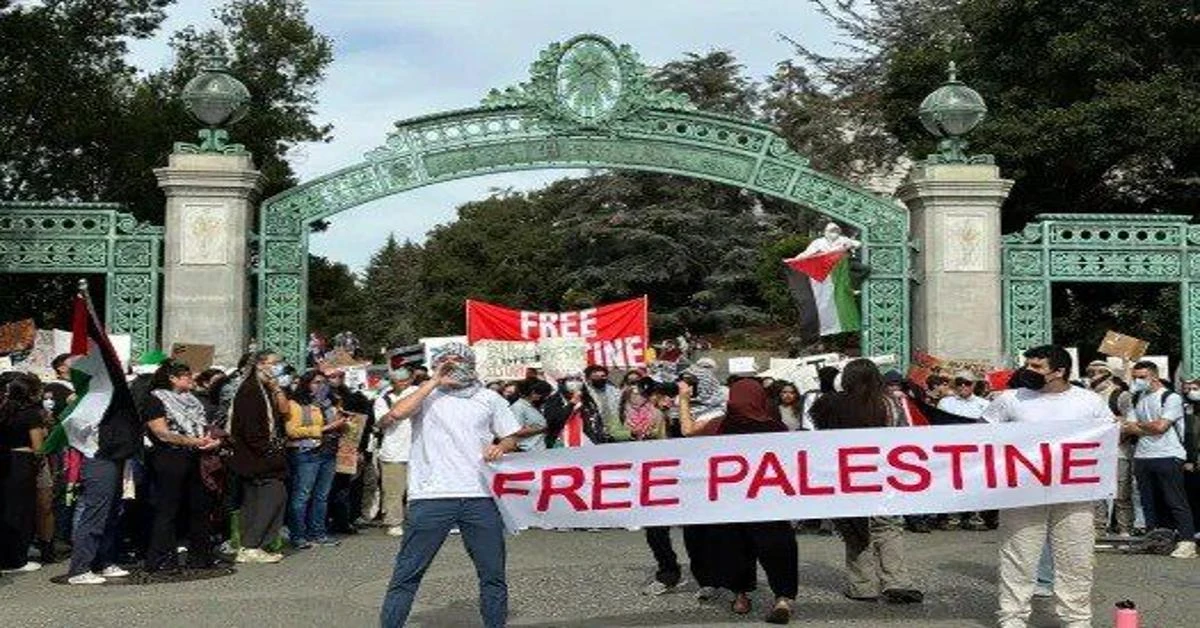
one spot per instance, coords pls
(458, 426)
(1101, 380)
(1046, 394)
(22, 430)
(346, 496)
(1159, 456)
(965, 403)
(608, 402)
(532, 393)
(178, 427)
(875, 556)
(771, 544)
(312, 427)
(572, 415)
(394, 448)
(787, 401)
(1191, 468)
(643, 411)
(257, 439)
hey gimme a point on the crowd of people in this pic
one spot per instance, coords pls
(240, 465)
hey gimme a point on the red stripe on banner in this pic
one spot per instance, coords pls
(817, 267)
(79, 327)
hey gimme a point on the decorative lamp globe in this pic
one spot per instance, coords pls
(215, 97)
(953, 109)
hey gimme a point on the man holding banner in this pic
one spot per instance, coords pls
(1046, 394)
(455, 421)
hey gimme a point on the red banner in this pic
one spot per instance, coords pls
(617, 334)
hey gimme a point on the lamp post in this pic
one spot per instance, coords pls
(216, 99)
(950, 112)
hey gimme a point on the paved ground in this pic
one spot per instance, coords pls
(575, 579)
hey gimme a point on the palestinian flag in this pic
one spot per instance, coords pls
(823, 292)
(102, 420)
(573, 434)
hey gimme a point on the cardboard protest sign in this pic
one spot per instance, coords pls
(197, 357)
(347, 453)
(561, 357)
(1122, 346)
(498, 360)
(17, 336)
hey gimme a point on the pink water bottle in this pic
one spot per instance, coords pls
(1125, 615)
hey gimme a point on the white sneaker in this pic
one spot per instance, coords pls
(26, 568)
(86, 578)
(397, 531)
(455, 530)
(112, 571)
(1184, 549)
(255, 555)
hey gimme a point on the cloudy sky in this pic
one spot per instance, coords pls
(396, 59)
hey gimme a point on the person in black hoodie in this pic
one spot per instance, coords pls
(572, 396)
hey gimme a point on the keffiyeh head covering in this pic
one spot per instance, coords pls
(710, 397)
(464, 375)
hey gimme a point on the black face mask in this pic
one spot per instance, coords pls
(1030, 379)
(599, 384)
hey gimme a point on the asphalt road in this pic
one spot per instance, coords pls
(578, 579)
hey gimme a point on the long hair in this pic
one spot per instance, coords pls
(863, 386)
(302, 394)
(21, 392)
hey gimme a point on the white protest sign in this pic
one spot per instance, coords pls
(808, 475)
(1074, 351)
(356, 377)
(742, 365)
(432, 343)
(561, 357)
(500, 360)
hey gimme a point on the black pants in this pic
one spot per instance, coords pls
(264, 503)
(700, 542)
(18, 506)
(341, 513)
(1191, 484)
(659, 540)
(771, 544)
(1164, 501)
(178, 492)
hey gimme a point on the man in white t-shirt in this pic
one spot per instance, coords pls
(1045, 394)
(458, 425)
(394, 450)
(1159, 456)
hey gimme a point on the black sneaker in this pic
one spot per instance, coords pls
(903, 596)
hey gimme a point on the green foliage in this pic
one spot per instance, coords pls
(394, 298)
(335, 300)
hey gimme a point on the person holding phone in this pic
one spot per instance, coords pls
(313, 426)
(178, 426)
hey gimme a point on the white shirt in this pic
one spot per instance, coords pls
(825, 245)
(397, 437)
(1073, 404)
(1169, 444)
(972, 407)
(449, 436)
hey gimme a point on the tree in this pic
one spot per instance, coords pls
(392, 296)
(335, 300)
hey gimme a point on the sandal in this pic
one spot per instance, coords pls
(740, 604)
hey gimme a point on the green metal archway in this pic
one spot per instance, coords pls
(1109, 248)
(588, 104)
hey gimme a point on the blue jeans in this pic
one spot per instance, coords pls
(94, 538)
(426, 524)
(1045, 568)
(312, 478)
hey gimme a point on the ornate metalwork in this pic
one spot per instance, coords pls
(1098, 248)
(950, 112)
(588, 104)
(217, 99)
(91, 238)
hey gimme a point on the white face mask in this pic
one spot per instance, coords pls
(1194, 395)
(832, 235)
(284, 380)
(48, 404)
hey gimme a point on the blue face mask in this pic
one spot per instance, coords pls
(1139, 385)
(279, 369)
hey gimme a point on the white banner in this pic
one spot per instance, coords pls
(808, 475)
(502, 360)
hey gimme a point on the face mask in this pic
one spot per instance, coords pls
(573, 386)
(279, 369)
(322, 392)
(599, 383)
(284, 380)
(1194, 395)
(1098, 378)
(48, 405)
(1139, 385)
(832, 235)
(1031, 379)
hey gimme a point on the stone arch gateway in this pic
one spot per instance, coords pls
(588, 104)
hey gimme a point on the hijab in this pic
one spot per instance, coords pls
(749, 410)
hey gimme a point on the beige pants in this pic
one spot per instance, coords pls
(1023, 531)
(874, 555)
(395, 485)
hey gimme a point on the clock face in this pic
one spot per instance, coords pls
(589, 79)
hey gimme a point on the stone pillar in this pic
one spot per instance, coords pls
(210, 205)
(955, 217)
